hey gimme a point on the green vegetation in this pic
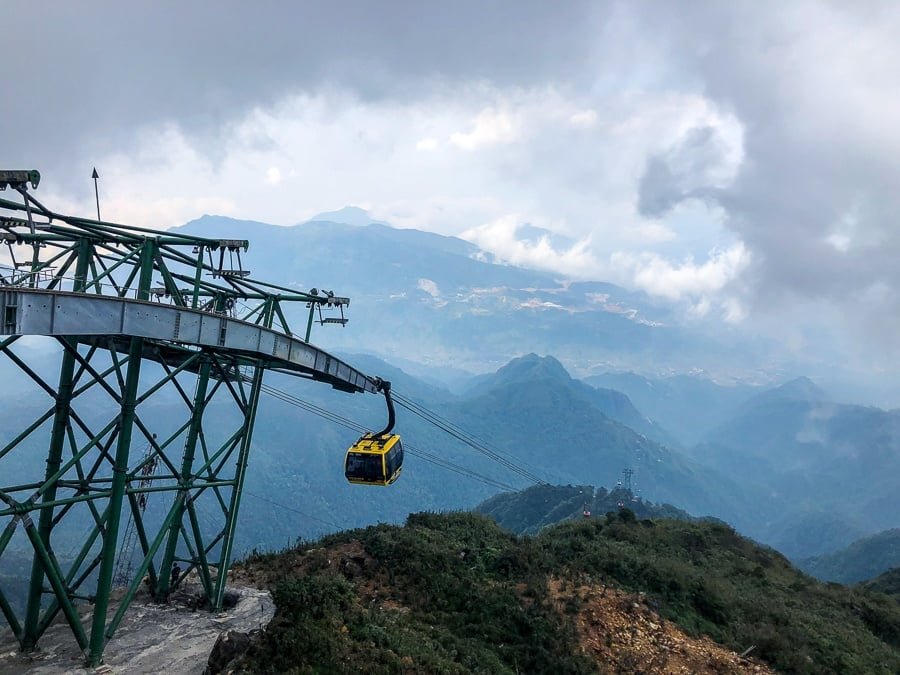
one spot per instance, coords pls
(455, 593)
(452, 597)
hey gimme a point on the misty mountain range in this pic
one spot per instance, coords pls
(786, 465)
(440, 300)
(804, 461)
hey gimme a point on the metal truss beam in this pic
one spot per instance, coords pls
(58, 314)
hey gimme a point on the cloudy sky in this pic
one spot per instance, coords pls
(739, 158)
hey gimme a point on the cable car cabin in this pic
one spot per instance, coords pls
(374, 460)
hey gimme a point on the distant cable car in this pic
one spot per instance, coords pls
(376, 459)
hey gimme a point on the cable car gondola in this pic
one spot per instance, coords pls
(376, 459)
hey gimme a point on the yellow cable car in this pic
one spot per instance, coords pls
(376, 459)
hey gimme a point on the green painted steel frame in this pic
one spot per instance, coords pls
(105, 494)
(99, 475)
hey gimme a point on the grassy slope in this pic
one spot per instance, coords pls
(455, 593)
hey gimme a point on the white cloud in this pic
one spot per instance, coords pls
(582, 186)
(777, 122)
(490, 127)
(734, 310)
(535, 303)
(839, 241)
(584, 119)
(499, 237)
(429, 287)
(685, 280)
(273, 175)
(427, 144)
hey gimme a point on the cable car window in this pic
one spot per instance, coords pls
(363, 466)
(392, 461)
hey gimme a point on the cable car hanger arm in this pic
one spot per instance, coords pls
(385, 387)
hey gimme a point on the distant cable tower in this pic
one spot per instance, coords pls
(626, 478)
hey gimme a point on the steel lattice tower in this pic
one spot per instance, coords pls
(139, 318)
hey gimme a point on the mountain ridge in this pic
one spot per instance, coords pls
(862, 560)
(443, 290)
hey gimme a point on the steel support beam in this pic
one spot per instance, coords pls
(54, 460)
(236, 492)
(185, 480)
(120, 473)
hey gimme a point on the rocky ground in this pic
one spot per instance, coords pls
(624, 635)
(174, 639)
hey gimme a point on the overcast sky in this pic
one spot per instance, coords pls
(742, 159)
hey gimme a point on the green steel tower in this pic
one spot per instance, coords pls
(135, 318)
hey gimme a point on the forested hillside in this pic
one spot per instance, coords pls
(455, 593)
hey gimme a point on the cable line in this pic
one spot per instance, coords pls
(440, 461)
(295, 510)
(358, 428)
(466, 437)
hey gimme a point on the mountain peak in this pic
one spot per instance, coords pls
(531, 367)
(349, 215)
(799, 389)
